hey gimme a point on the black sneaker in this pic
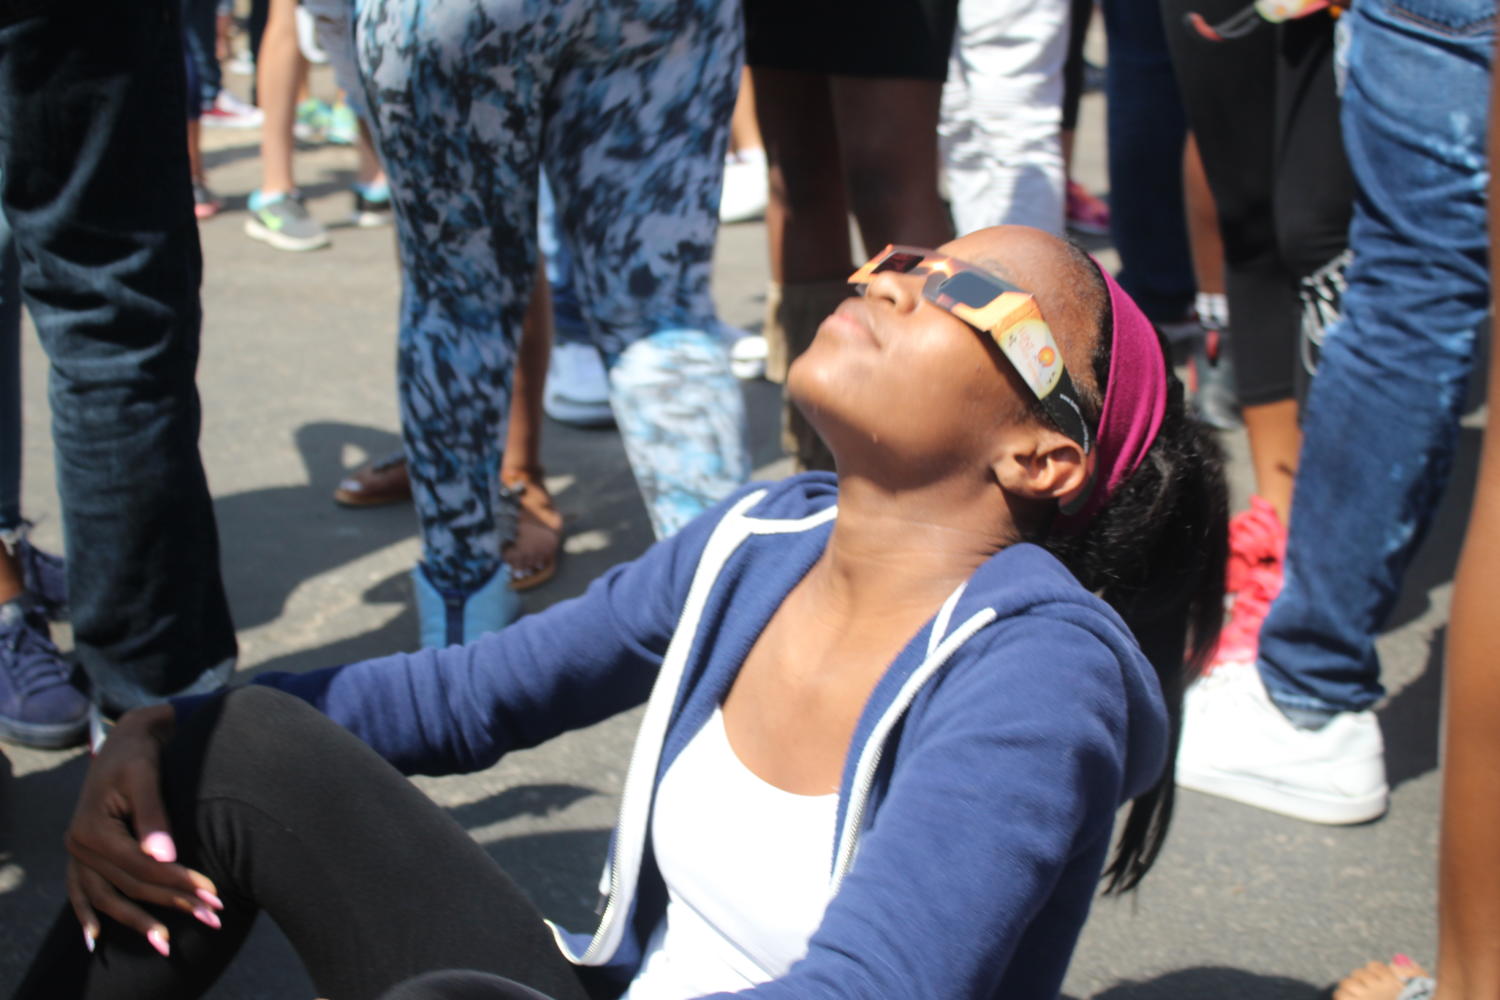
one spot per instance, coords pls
(371, 213)
(39, 707)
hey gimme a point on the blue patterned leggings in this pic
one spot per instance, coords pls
(627, 102)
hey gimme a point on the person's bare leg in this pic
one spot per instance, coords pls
(1275, 441)
(368, 170)
(744, 132)
(195, 150)
(279, 68)
(10, 576)
(539, 524)
(1203, 222)
(1468, 865)
(807, 221)
(887, 134)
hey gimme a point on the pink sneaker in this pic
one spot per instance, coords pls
(1085, 213)
(1257, 552)
(1256, 538)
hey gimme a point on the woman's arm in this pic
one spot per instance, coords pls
(460, 709)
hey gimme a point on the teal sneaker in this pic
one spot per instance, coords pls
(343, 125)
(282, 221)
(312, 120)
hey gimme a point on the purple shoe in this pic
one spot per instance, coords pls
(39, 707)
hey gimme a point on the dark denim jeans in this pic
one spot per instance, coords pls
(200, 23)
(1147, 129)
(94, 162)
(10, 381)
(1381, 420)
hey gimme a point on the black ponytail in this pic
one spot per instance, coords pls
(1156, 554)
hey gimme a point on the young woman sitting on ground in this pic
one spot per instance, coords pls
(890, 715)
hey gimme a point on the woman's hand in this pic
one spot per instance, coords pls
(121, 849)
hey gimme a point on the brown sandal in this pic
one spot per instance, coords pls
(376, 483)
(539, 528)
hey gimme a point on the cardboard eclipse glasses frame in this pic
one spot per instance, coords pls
(1007, 314)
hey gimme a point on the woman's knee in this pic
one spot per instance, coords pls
(461, 984)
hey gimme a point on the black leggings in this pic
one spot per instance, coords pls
(1266, 116)
(371, 881)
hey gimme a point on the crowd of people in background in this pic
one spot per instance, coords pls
(1297, 196)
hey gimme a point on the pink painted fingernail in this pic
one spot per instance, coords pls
(88, 940)
(210, 899)
(1399, 959)
(207, 916)
(158, 939)
(159, 845)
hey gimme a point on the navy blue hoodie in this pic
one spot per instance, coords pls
(978, 795)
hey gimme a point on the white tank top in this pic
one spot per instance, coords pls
(747, 872)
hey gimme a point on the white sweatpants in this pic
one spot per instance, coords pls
(1002, 112)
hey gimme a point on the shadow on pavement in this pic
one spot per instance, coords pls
(1410, 719)
(1213, 984)
(31, 857)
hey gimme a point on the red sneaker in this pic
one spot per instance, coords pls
(1256, 538)
(1257, 554)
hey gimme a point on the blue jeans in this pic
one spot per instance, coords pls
(10, 381)
(97, 194)
(1147, 129)
(1396, 365)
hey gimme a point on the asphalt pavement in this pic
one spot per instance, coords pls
(297, 381)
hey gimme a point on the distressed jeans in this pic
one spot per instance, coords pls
(96, 191)
(1381, 420)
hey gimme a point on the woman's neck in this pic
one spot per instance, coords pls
(906, 550)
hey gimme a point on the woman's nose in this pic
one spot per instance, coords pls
(903, 291)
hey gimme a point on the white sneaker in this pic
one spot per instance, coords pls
(1238, 745)
(577, 390)
(747, 355)
(746, 187)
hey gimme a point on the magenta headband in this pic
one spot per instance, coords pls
(1135, 401)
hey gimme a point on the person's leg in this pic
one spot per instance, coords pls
(1147, 127)
(466, 229)
(340, 862)
(577, 386)
(10, 405)
(277, 215)
(1396, 366)
(641, 217)
(807, 227)
(1000, 115)
(277, 72)
(887, 132)
(200, 23)
(101, 209)
(461, 984)
(1212, 382)
(531, 556)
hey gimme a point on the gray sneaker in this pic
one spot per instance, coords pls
(283, 222)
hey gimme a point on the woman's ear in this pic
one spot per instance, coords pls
(1039, 463)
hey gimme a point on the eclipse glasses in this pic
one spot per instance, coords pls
(1007, 314)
